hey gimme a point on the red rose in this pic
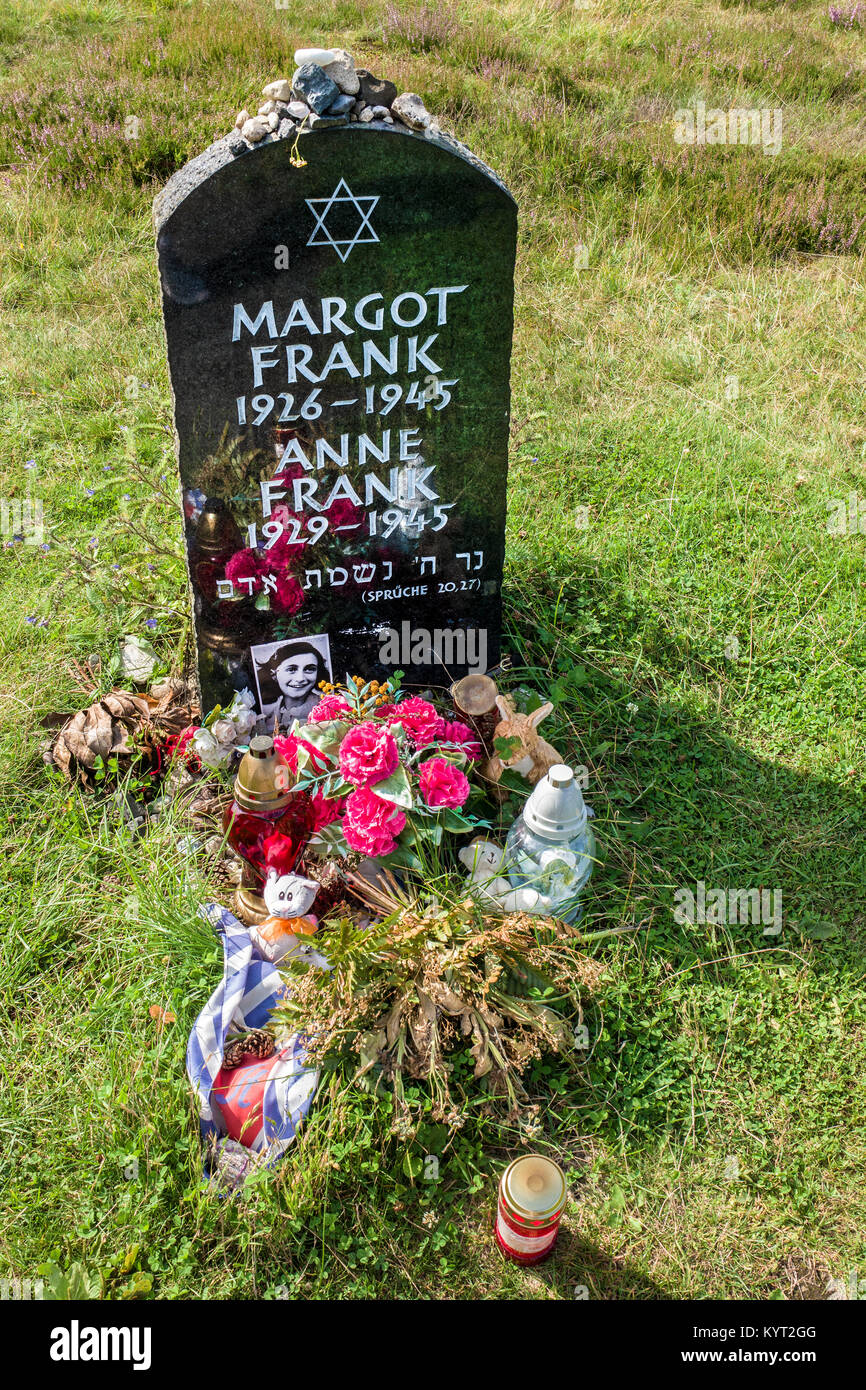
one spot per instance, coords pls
(326, 810)
(344, 512)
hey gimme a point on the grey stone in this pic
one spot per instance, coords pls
(366, 115)
(376, 91)
(326, 121)
(342, 106)
(410, 109)
(286, 128)
(267, 108)
(128, 810)
(359, 106)
(236, 142)
(341, 70)
(379, 112)
(312, 83)
(298, 110)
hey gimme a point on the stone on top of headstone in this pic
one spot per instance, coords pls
(298, 110)
(341, 407)
(376, 91)
(410, 109)
(281, 90)
(242, 118)
(312, 83)
(328, 119)
(322, 56)
(341, 69)
(255, 129)
(342, 106)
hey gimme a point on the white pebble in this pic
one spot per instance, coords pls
(243, 117)
(281, 90)
(322, 56)
(255, 129)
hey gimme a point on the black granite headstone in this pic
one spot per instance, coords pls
(338, 312)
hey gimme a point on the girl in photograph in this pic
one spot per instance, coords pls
(289, 683)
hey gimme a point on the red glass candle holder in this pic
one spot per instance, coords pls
(264, 805)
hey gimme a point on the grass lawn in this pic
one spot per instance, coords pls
(689, 417)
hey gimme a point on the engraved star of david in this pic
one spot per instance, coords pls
(342, 245)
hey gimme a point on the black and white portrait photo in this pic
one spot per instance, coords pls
(288, 675)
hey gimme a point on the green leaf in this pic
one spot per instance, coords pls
(506, 748)
(329, 840)
(395, 788)
(327, 735)
(403, 857)
(413, 1165)
(454, 822)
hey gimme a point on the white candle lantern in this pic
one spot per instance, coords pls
(551, 847)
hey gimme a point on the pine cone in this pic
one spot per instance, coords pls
(234, 1054)
(257, 1043)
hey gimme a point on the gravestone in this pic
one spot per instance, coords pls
(338, 315)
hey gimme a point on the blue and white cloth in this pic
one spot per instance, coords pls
(249, 990)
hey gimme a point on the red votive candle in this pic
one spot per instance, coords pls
(531, 1201)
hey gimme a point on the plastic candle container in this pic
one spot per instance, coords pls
(551, 847)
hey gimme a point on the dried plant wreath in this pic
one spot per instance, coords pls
(405, 995)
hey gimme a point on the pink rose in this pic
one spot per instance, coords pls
(243, 566)
(284, 551)
(344, 513)
(329, 707)
(371, 825)
(418, 718)
(460, 734)
(368, 754)
(442, 784)
(289, 596)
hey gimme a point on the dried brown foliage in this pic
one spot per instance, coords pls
(405, 995)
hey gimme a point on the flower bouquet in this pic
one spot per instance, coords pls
(387, 775)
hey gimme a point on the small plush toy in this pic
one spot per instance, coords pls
(288, 898)
(531, 755)
(483, 859)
